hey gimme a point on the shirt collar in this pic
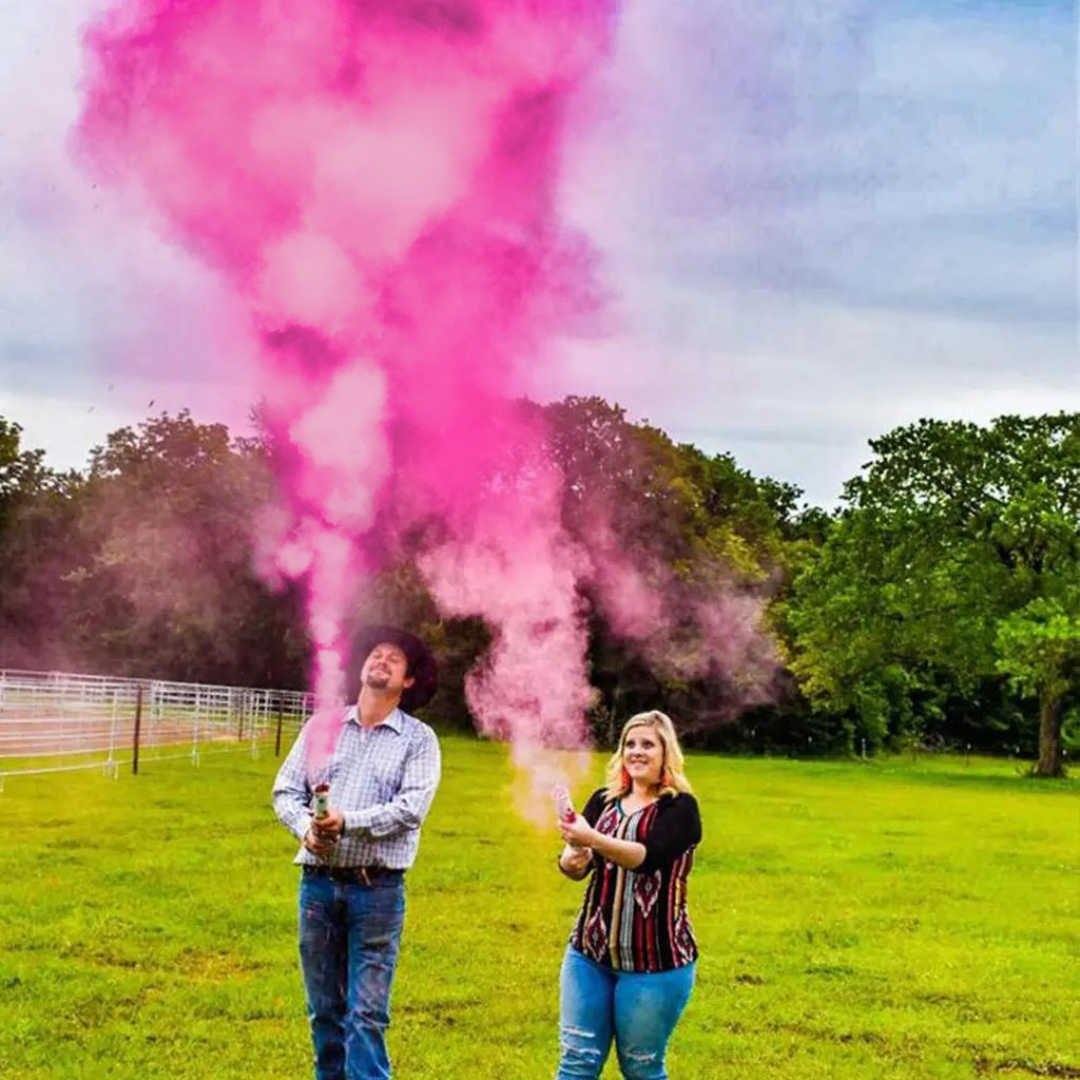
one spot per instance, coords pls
(395, 720)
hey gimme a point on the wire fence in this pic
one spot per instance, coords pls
(58, 722)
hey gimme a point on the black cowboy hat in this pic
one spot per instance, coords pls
(422, 666)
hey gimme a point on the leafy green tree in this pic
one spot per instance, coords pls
(697, 529)
(166, 586)
(954, 563)
(22, 472)
(36, 549)
(1039, 650)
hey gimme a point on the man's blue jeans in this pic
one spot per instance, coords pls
(349, 938)
(639, 1011)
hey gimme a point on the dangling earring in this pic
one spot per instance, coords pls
(665, 778)
(625, 779)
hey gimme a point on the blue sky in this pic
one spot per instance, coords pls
(818, 220)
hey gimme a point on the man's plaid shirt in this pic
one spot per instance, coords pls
(383, 778)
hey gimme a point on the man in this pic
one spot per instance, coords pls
(382, 766)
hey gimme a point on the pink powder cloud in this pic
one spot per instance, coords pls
(377, 183)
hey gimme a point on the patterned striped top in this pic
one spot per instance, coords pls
(636, 920)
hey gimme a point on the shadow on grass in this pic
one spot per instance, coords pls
(946, 771)
(1020, 781)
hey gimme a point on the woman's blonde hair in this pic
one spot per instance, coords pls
(672, 777)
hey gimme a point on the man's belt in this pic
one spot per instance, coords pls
(351, 875)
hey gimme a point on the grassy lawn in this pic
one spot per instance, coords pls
(897, 920)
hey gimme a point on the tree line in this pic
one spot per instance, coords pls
(938, 605)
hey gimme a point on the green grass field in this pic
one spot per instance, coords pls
(896, 920)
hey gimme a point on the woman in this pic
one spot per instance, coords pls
(629, 969)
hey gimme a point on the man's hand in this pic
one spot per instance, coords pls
(317, 846)
(324, 833)
(330, 827)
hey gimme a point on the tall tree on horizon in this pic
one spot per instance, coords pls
(956, 560)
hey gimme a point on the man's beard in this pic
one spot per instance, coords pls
(378, 680)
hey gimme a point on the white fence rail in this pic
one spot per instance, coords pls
(56, 722)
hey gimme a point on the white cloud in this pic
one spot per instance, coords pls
(65, 427)
(854, 217)
(822, 219)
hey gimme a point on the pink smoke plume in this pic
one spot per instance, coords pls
(684, 634)
(377, 181)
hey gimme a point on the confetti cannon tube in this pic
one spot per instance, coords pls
(564, 807)
(320, 809)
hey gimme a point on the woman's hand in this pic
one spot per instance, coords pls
(627, 853)
(574, 861)
(578, 832)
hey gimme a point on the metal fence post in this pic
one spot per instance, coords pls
(112, 766)
(138, 726)
(280, 721)
(195, 728)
